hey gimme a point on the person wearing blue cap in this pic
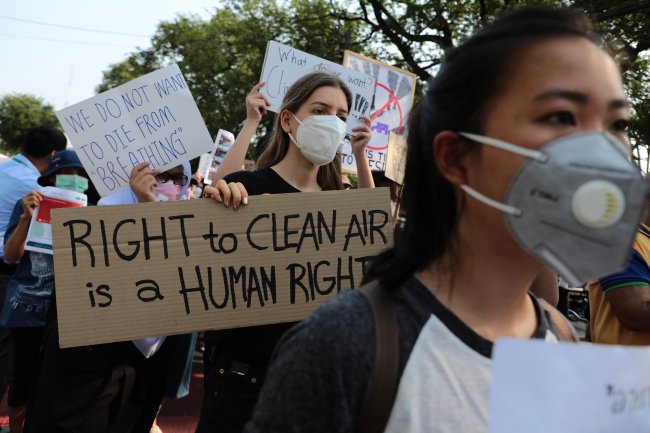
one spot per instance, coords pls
(29, 290)
(18, 177)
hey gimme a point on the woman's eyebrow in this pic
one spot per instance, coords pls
(321, 103)
(619, 103)
(579, 98)
(328, 106)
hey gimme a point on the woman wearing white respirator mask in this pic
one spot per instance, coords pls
(302, 156)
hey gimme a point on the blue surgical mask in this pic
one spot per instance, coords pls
(71, 182)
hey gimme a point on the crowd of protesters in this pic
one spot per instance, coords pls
(513, 99)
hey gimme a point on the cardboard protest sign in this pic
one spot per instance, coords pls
(150, 119)
(284, 65)
(396, 158)
(394, 95)
(39, 234)
(222, 145)
(539, 387)
(153, 269)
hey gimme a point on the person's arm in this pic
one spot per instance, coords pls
(15, 244)
(325, 359)
(546, 286)
(631, 305)
(256, 106)
(359, 144)
(628, 293)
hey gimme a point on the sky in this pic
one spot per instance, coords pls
(63, 66)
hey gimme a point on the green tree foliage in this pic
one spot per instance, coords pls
(222, 57)
(626, 27)
(420, 31)
(18, 113)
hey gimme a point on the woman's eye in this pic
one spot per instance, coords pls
(319, 111)
(561, 118)
(343, 118)
(620, 125)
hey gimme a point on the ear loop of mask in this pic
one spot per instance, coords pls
(491, 202)
(289, 133)
(508, 147)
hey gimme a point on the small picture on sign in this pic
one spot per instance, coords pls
(223, 143)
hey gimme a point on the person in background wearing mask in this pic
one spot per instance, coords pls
(302, 156)
(17, 178)
(116, 387)
(619, 302)
(516, 161)
(29, 291)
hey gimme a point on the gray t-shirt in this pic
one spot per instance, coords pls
(318, 379)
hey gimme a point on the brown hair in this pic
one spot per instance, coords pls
(329, 175)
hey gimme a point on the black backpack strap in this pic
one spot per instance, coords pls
(559, 324)
(383, 384)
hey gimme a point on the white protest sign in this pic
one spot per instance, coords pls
(284, 65)
(394, 94)
(539, 387)
(150, 119)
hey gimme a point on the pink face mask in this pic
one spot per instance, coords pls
(166, 191)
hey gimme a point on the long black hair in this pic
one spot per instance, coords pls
(470, 77)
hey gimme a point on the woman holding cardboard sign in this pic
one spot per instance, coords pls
(516, 139)
(302, 156)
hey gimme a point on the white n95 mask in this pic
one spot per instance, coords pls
(576, 204)
(319, 137)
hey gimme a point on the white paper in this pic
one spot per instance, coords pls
(284, 65)
(392, 102)
(39, 235)
(569, 388)
(150, 119)
(222, 145)
(396, 158)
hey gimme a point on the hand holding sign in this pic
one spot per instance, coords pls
(233, 193)
(30, 202)
(256, 104)
(362, 136)
(142, 181)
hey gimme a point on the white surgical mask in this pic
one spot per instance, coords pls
(576, 204)
(319, 137)
(167, 191)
